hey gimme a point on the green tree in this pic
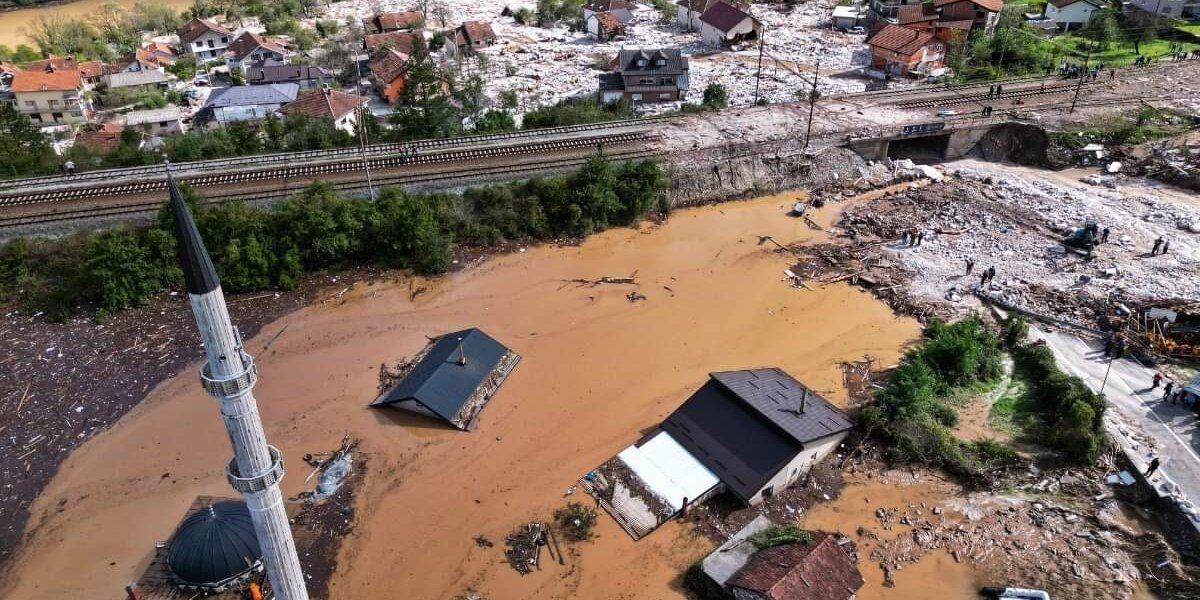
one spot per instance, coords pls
(716, 96)
(155, 17)
(1102, 28)
(1140, 26)
(407, 233)
(424, 108)
(124, 267)
(494, 121)
(25, 150)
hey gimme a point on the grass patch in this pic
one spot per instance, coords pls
(1147, 124)
(1192, 28)
(1012, 413)
(1122, 52)
(779, 535)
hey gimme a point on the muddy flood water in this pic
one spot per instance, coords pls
(597, 370)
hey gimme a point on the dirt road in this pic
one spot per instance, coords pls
(597, 370)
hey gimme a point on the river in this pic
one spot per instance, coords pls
(13, 23)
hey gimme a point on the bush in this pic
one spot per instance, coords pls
(1071, 415)
(716, 96)
(576, 112)
(1016, 329)
(778, 535)
(576, 521)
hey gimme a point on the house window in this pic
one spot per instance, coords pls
(54, 104)
(646, 81)
(664, 96)
(210, 43)
(768, 491)
(30, 103)
(57, 116)
(162, 124)
(199, 44)
(636, 97)
(666, 81)
(224, 40)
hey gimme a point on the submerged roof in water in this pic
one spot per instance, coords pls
(440, 381)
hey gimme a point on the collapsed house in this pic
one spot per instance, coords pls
(452, 378)
(213, 553)
(820, 569)
(750, 433)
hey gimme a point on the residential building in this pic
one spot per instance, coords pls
(1182, 9)
(250, 47)
(103, 139)
(899, 50)
(389, 73)
(50, 97)
(266, 72)
(204, 38)
(90, 71)
(886, 10)
(1070, 15)
(848, 16)
(127, 79)
(246, 102)
(604, 26)
(924, 17)
(750, 433)
(158, 121)
(984, 13)
(138, 60)
(404, 41)
(688, 12)
(620, 9)
(394, 21)
(646, 76)
(820, 569)
(7, 70)
(340, 108)
(725, 23)
(165, 54)
(469, 37)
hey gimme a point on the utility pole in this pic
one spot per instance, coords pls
(758, 75)
(1082, 76)
(229, 376)
(362, 124)
(812, 103)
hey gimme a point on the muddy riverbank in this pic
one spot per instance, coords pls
(597, 370)
(14, 21)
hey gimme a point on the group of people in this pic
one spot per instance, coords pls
(1072, 70)
(1174, 393)
(913, 238)
(984, 278)
(1161, 246)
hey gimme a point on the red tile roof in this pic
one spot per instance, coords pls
(46, 81)
(899, 39)
(409, 19)
(188, 32)
(607, 5)
(819, 570)
(961, 11)
(989, 5)
(324, 104)
(963, 25)
(725, 16)
(91, 68)
(388, 64)
(106, 139)
(607, 21)
(404, 41)
(478, 31)
(248, 42)
(915, 13)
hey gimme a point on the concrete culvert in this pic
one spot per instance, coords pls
(1016, 143)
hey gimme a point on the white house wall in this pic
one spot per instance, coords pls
(1076, 14)
(799, 466)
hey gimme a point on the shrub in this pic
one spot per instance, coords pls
(716, 96)
(576, 521)
(778, 535)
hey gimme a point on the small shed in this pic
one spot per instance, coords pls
(453, 378)
(729, 558)
(818, 570)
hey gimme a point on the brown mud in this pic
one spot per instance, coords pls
(597, 370)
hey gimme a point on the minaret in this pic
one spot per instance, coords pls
(229, 376)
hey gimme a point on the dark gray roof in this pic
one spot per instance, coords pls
(746, 425)
(199, 276)
(248, 95)
(276, 72)
(674, 62)
(611, 81)
(439, 382)
(214, 545)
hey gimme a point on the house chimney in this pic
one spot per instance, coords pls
(803, 400)
(462, 355)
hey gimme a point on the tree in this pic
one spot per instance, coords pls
(56, 34)
(407, 233)
(156, 17)
(1102, 28)
(124, 270)
(716, 96)
(114, 24)
(424, 109)
(494, 121)
(25, 150)
(1140, 26)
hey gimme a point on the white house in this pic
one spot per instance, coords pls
(1070, 15)
(158, 121)
(724, 24)
(847, 16)
(250, 48)
(688, 13)
(204, 38)
(340, 108)
(751, 433)
(247, 102)
(620, 9)
(1183, 9)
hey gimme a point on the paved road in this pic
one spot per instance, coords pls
(1174, 432)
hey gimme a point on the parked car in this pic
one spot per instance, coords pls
(946, 113)
(857, 30)
(200, 79)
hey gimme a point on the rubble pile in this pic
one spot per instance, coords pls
(548, 65)
(1016, 225)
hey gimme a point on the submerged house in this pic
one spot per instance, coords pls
(750, 433)
(453, 378)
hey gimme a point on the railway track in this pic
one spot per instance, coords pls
(350, 153)
(986, 99)
(317, 169)
(151, 206)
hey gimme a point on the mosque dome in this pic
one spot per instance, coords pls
(215, 548)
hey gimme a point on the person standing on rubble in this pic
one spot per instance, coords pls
(1166, 246)
(1156, 380)
(1104, 236)
(920, 237)
(970, 265)
(1157, 244)
(1167, 389)
(1155, 463)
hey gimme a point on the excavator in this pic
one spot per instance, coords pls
(1083, 240)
